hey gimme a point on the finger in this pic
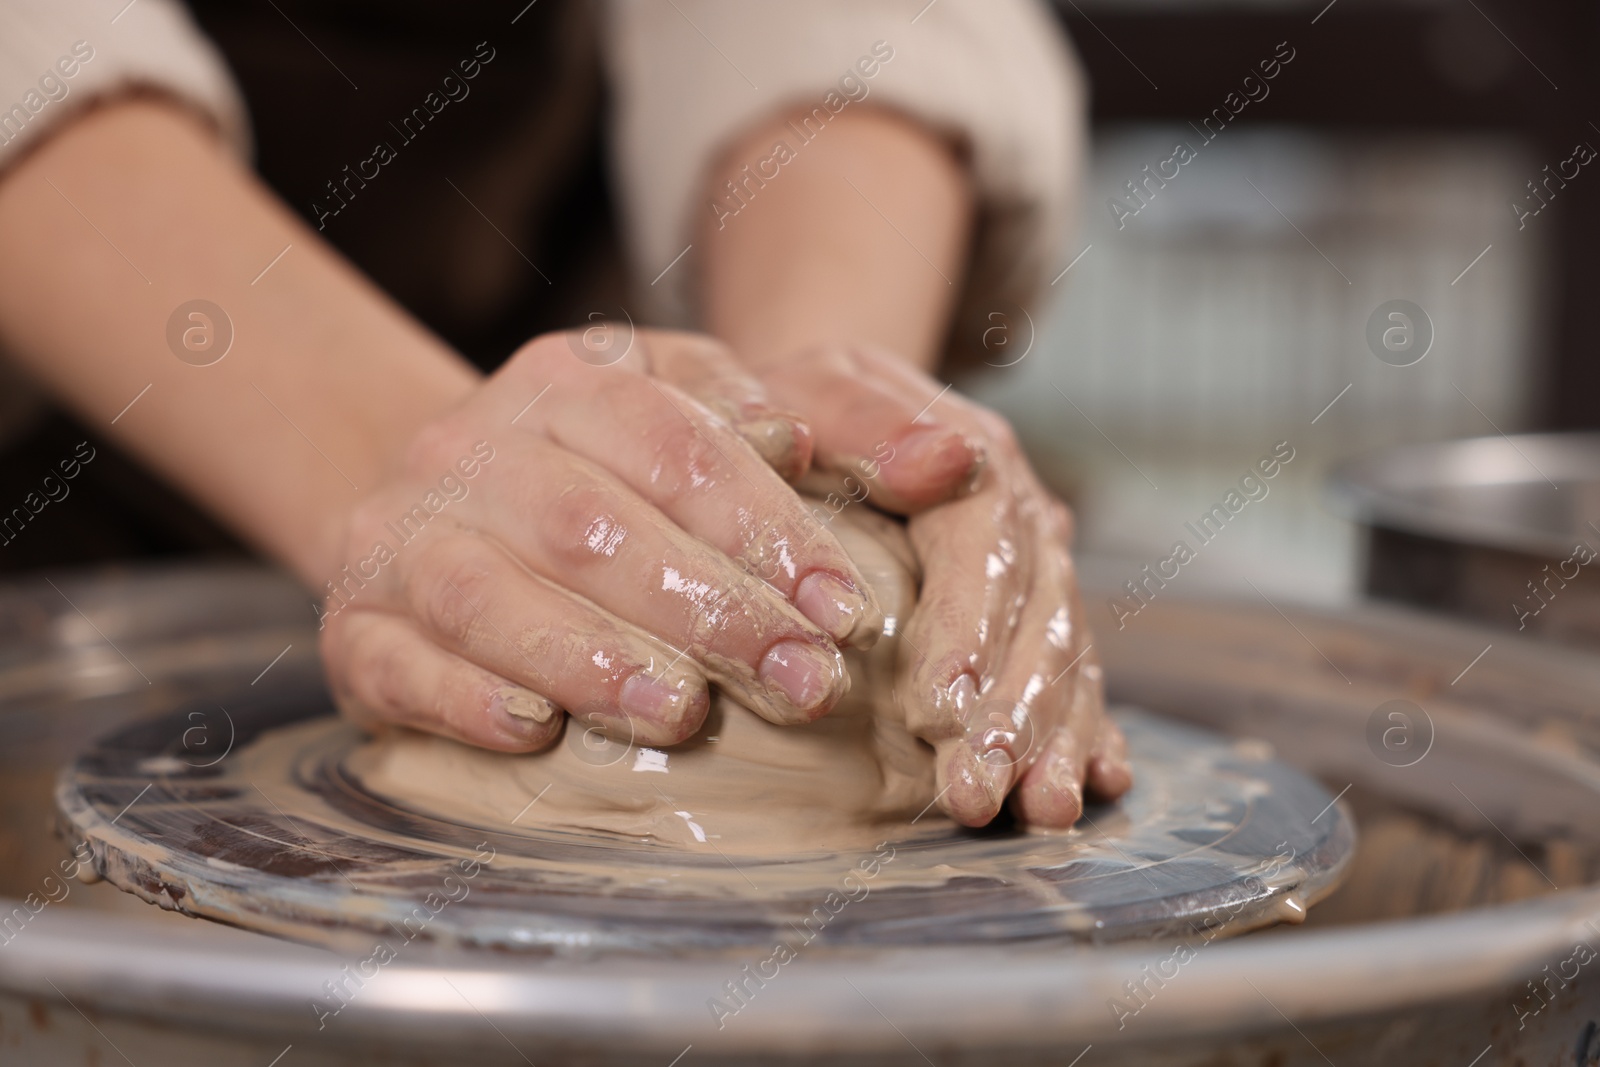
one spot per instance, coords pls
(1051, 792)
(1085, 754)
(1110, 774)
(974, 584)
(1027, 702)
(1085, 742)
(383, 670)
(868, 425)
(708, 371)
(1020, 709)
(474, 600)
(696, 471)
(600, 540)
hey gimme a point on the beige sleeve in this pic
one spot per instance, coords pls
(57, 56)
(997, 76)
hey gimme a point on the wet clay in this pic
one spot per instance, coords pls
(284, 837)
(751, 831)
(849, 780)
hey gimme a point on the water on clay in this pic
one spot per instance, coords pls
(747, 829)
(852, 779)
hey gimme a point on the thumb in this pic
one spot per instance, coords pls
(707, 370)
(874, 419)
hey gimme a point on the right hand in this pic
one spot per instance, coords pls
(997, 671)
(605, 552)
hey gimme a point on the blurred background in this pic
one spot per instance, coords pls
(1228, 313)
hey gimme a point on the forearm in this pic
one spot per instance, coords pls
(861, 237)
(134, 210)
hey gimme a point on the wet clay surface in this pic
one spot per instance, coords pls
(1255, 686)
(309, 829)
(284, 838)
(743, 784)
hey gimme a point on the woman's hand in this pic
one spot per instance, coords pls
(996, 670)
(592, 539)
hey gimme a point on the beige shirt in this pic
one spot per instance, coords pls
(687, 76)
(994, 75)
(56, 56)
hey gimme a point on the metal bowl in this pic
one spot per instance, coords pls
(1497, 529)
(1510, 774)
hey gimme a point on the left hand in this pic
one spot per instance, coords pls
(631, 541)
(996, 669)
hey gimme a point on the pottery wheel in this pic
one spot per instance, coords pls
(253, 817)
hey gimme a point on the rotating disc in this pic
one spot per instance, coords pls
(275, 831)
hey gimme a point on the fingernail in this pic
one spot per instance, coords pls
(974, 796)
(940, 456)
(523, 715)
(998, 767)
(658, 701)
(783, 441)
(958, 698)
(1003, 727)
(840, 609)
(809, 677)
(1065, 784)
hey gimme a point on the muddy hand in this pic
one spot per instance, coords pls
(996, 670)
(584, 536)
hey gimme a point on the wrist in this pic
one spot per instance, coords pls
(863, 237)
(425, 382)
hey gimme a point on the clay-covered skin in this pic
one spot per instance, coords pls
(996, 669)
(886, 756)
(611, 549)
(742, 783)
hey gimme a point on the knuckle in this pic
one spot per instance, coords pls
(369, 669)
(584, 525)
(558, 658)
(672, 435)
(366, 524)
(435, 448)
(447, 588)
(386, 669)
(686, 456)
